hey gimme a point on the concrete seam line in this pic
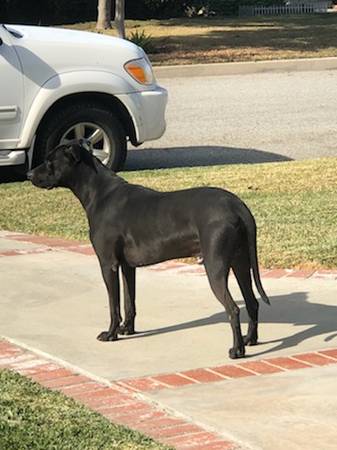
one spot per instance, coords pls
(327, 356)
(282, 369)
(192, 380)
(217, 373)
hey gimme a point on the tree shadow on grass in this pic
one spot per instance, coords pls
(165, 158)
(294, 21)
(298, 34)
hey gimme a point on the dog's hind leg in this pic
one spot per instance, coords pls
(216, 261)
(129, 284)
(241, 269)
(111, 280)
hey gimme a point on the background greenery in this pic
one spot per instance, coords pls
(50, 12)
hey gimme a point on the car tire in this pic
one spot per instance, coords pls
(83, 116)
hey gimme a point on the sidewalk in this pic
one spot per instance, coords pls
(54, 303)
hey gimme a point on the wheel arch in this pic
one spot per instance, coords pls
(107, 100)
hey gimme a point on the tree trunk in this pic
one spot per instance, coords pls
(119, 18)
(104, 15)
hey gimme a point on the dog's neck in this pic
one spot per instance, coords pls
(86, 181)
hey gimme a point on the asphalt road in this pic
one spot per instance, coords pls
(245, 119)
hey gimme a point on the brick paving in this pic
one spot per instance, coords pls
(114, 401)
(121, 403)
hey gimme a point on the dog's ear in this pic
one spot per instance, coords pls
(75, 151)
(81, 151)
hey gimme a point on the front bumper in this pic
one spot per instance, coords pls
(147, 110)
(12, 157)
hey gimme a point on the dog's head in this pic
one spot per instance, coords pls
(58, 170)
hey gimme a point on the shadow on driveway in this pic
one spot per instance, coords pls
(293, 309)
(166, 158)
(12, 174)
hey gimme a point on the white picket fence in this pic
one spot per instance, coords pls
(278, 10)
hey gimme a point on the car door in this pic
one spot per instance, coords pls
(11, 92)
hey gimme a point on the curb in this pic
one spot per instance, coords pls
(245, 68)
(57, 244)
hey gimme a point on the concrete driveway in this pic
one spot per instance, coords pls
(53, 301)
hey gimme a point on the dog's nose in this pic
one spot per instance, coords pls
(30, 175)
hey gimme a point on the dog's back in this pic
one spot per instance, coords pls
(156, 226)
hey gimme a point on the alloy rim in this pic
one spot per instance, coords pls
(92, 132)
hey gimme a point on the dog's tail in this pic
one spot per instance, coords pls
(250, 226)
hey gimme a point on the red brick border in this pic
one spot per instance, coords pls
(115, 402)
(54, 243)
(47, 244)
(120, 403)
(230, 371)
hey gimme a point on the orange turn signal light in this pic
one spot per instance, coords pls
(140, 70)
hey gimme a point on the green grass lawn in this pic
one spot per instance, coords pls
(202, 40)
(34, 418)
(295, 205)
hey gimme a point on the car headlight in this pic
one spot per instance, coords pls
(141, 70)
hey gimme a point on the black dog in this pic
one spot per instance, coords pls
(132, 226)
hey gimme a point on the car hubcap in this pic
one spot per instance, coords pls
(93, 133)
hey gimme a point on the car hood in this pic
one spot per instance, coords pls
(46, 51)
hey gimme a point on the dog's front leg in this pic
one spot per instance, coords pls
(129, 283)
(111, 279)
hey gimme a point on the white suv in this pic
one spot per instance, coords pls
(57, 85)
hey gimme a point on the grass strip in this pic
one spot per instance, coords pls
(34, 418)
(295, 205)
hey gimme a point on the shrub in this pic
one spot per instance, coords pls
(142, 40)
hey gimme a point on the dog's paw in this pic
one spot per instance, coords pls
(248, 340)
(126, 330)
(237, 352)
(107, 336)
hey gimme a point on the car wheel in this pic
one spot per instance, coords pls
(89, 121)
